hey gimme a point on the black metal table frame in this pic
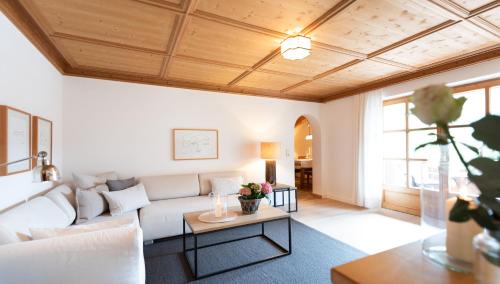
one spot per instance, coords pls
(194, 271)
(283, 190)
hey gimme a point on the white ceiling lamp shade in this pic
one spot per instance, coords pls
(296, 47)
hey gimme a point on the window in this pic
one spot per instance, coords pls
(409, 170)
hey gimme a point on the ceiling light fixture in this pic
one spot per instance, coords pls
(296, 47)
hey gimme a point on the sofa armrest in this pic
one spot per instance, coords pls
(107, 256)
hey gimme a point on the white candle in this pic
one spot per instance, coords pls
(218, 207)
(459, 235)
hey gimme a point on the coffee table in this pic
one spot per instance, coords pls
(198, 228)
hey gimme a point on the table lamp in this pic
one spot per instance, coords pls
(270, 151)
(43, 172)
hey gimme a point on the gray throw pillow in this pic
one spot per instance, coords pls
(90, 203)
(121, 184)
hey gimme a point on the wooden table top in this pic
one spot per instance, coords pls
(264, 214)
(405, 264)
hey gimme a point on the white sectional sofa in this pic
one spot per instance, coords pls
(108, 256)
(173, 195)
(113, 255)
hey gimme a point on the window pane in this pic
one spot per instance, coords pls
(394, 117)
(474, 107)
(423, 175)
(395, 173)
(495, 100)
(419, 137)
(464, 135)
(413, 121)
(395, 145)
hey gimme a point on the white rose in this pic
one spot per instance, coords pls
(435, 104)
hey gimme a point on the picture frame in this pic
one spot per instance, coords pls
(15, 140)
(195, 144)
(42, 137)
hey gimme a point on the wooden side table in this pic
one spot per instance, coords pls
(404, 264)
(285, 188)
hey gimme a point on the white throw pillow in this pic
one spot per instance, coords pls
(227, 185)
(90, 203)
(126, 200)
(44, 233)
(88, 181)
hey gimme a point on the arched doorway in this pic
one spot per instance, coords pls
(303, 154)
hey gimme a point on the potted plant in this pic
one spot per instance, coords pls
(251, 194)
(436, 105)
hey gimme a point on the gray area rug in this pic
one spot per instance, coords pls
(313, 255)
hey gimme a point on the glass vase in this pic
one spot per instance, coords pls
(487, 258)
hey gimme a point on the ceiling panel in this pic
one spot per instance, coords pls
(492, 16)
(317, 88)
(112, 58)
(271, 81)
(123, 22)
(471, 4)
(362, 73)
(368, 25)
(281, 16)
(202, 72)
(453, 41)
(215, 41)
(319, 61)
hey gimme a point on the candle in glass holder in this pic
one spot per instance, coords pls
(218, 207)
(459, 235)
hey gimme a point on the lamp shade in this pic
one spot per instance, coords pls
(270, 150)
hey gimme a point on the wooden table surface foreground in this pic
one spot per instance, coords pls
(405, 264)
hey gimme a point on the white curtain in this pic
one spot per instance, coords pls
(370, 147)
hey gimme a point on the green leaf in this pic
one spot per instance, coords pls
(472, 148)
(487, 130)
(483, 218)
(489, 181)
(491, 202)
(437, 142)
(460, 211)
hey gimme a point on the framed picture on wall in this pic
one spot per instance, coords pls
(15, 140)
(42, 137)
(195, 144)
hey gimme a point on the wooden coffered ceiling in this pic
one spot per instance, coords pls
(233, 46)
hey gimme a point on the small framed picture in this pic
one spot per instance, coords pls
(15, 140)
(42, 137)
(195, 144)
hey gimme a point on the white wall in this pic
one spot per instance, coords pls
(339, 121)
(127, 128)
(340, 126)
(30, 83)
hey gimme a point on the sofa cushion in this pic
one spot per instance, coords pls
(90, 204)
(163, 218)
(7, 236)
(106, 256)
(228, 185)
(206, 178)
(39, 212)
(120, 184)
(131, 216)
(45, 233)
(126, 200)
(63, 197)
(171, 186)
(88, 181)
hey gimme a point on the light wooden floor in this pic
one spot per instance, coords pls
(370, 231)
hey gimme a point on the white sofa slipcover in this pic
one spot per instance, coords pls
(206, 178)
(106, 256)
(171, 186)
(163, 218)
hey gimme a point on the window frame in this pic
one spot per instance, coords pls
(486, 85)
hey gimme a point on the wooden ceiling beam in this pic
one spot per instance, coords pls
(175, 38)
(468, 59)
(25, 23)
(106, 43)
(172, 7)
(393, 63)
(484, 8)
(116, 76)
